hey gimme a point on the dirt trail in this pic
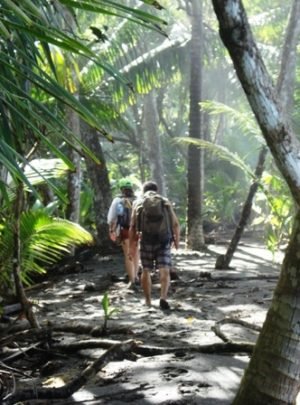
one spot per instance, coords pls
(200, 297)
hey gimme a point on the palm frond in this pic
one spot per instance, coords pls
(221, 152)
(112, 8)
(246, 122)
(142, 68)
(27, 28)
(44, 241)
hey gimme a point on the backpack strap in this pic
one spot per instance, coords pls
(166, 207)
(139, 209)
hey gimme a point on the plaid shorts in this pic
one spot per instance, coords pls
(155, 255)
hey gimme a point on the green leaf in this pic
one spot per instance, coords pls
(44, 240)
(221, 152)
(105, 303)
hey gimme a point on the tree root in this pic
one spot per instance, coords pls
(45, 334)
(115, 352)
(209, 276)
(148, 351)
(217, 327)
(85, 329)
(215, 348)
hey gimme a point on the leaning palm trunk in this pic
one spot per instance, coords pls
(273, 374)
(285, 88)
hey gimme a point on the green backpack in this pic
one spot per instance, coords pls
(154, 218)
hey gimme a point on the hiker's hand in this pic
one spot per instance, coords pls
(175, 244)
(112, 235)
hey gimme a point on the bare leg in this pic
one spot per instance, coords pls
(164, 275)
(147, 285)
(129, 264)
(136, 262)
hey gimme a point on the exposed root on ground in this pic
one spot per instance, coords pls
(115, 352)
(217, 327)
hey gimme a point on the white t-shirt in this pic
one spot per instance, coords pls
(112, 212)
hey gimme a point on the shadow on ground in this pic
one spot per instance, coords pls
(199, 298)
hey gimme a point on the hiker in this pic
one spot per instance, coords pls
(155, 235)
(118, 219)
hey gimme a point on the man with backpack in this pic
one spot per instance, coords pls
(155, 227)
(118, 219)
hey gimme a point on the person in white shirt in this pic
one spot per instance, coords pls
(118, 219)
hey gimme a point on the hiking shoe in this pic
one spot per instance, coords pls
(173, 275)
(164, 304)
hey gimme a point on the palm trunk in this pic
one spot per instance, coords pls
(285, 88)
(195, 176)
(272, 376)
(153, 142)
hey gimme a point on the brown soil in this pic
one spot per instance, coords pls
(182, 374)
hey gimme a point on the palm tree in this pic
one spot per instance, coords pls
(195, 175)
(272, 375)
(285, 90)
(29, 84)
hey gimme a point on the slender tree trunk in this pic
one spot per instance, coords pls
(223, 261)
(285, 88)
(98, 176)
(273, 374)
(287, 75)
(140, 135)
(195, 175)
(166, 126)
(153, 142)
(74, 177)
(3, 178)
(73, 122)
(20, 291)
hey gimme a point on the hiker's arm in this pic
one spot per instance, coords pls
(112, 220)
(175, 228)
(112, 230)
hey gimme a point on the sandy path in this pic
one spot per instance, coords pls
(198, 299)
